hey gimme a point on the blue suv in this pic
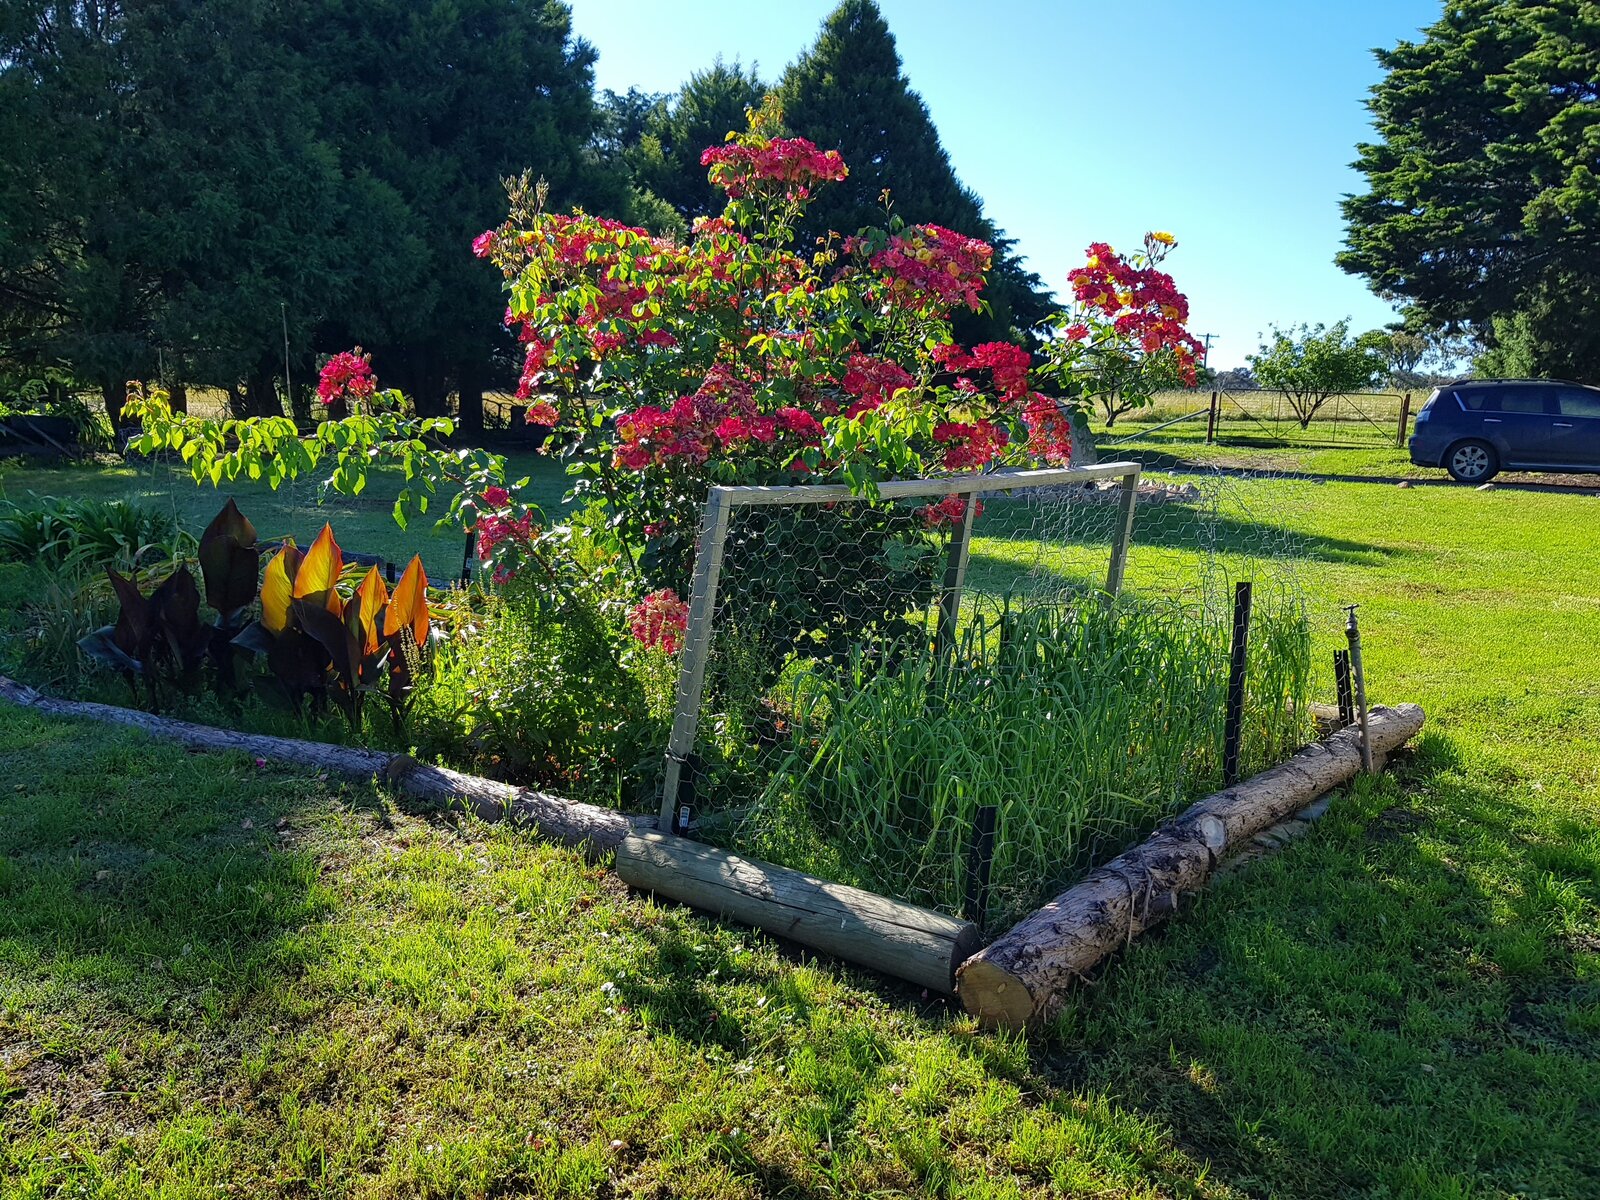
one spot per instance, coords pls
(1478, 427)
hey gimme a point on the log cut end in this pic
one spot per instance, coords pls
(993, 994)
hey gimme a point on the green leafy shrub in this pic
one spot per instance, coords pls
(86, 535)
(539, 694)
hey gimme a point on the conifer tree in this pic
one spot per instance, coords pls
(1483, 195)
(848, 93)
(666, 160)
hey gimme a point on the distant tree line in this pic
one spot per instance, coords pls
(222, 192)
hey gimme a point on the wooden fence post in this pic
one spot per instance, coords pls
(1405, 417)
(1211, 418)
(696, 649)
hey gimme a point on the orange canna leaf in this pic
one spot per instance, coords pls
(364, 609)
(277, 587)
(408, 608)
(315, 582)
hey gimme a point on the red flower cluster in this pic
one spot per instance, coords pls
(348, 373)
(1006, 363)
(483, 244)
(720, 415)
(872, 381)
(970, 446)
(795, 163)
(495, 528)
(949, 511)
(660, 620)
(1142, 303)
(1049, 431)
(930, 261)
(541, 412)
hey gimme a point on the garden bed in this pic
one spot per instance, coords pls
(1018, 979)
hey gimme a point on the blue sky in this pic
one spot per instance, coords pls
(1230, 123)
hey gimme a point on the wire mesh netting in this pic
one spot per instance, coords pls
(868, 688)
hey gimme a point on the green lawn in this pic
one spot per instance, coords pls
(297, 509)
(222, 978)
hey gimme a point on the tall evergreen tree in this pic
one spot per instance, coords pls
(676, 131)
(429, 114)
(848, 93)
(1483, 193)
(72, 289)
(325, 164)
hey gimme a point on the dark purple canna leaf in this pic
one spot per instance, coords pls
(230, 562)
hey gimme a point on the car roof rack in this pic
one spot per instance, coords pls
(1512, 379)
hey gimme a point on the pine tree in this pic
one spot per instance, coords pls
(666, 160)
(1484, 196)
(848, 93)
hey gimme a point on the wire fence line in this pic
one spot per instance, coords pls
(1264, 416)
(861, 680)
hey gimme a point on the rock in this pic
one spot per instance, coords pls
(1083, 451)
(1405, 483)
(1486, 487)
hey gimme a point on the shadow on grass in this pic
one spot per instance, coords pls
(1398, 1005)
(1016, 540)
(1395, 1006)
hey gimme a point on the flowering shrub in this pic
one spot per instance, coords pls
(1125, 336)
(348, 373)
(735, 358)
(660, 620)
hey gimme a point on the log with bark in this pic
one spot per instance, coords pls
(598, 830)
(887, 935)
(1024, 976)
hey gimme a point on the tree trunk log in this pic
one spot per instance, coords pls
(886, 935)
(1023, 977)
(597, 829)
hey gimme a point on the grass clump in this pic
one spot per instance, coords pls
(1086, 724)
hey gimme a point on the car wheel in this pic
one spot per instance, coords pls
(1472, 462)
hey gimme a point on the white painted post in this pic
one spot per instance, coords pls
(955, 577)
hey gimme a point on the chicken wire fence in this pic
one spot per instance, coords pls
(862, 678)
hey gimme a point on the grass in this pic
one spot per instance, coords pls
(372, 1001)
(1083, 725)
(362, 523)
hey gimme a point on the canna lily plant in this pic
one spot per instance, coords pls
(321, 644)
(161, 638)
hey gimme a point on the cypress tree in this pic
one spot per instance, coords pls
(848, 93)
(1483, 201)
(666, 160)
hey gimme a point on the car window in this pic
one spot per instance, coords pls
(1523, 399)
(1579, 402)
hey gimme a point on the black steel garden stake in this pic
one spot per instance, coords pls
(1341, 684)
(1353, 632)
(1233, 725)
(980, 857)
(466, 557)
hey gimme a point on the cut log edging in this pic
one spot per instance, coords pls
(889, 936)
(1018, 980)
(1023, 977)
(594, 829)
